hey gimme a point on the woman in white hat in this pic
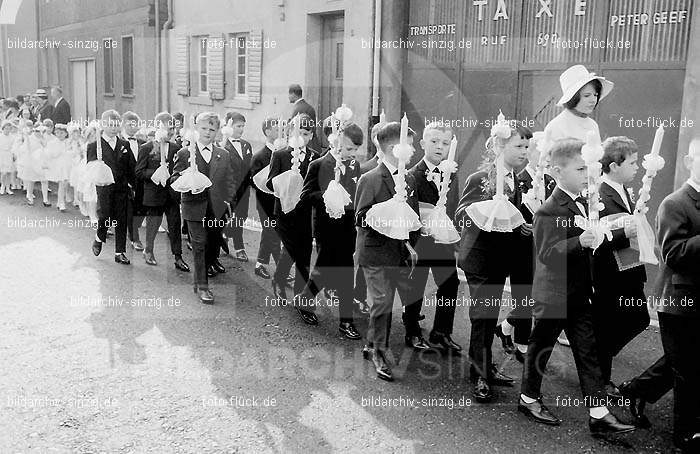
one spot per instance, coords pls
(581, 93)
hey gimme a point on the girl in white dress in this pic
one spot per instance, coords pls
(31, 150)
(87, 188)
(7, 160)
(59, 161)
(74, 142)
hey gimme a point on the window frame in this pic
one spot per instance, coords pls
(131, 67)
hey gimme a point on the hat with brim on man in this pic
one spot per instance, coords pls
(41, 93)
(575, 78)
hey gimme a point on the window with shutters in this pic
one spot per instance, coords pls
(202, 68)
(128, 64)
(237, 66)
(108, 67)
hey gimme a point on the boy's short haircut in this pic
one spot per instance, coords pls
(306, 122)
(437, 126)
(523, 131)
(110, 114)
(235, 117)
(391, 134)
(209, 117)
(616, 149)
(295, 89)
(269, 123)
(354, 133)
(564, 151)
(375, 130)
(131, 116)
(165, 118)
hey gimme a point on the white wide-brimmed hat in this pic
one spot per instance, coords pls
(574, 78)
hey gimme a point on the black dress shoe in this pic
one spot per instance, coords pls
(612, 390)
(218, 267)
(367, 351)
(138, 246)
(121, 258)
(46, 204)
(445, 342)
(279, 290)
(418, 344)
(500, 379)
(362, 307)
(181, 264)
(150, 259)
(211, 271)
(636, 405)
(349, 330)
(261, 271)
(608, 424)
(381, 366)
(306, 316)
(205, 296)
(241, 256)
(482, 391)
(96, 247)
(506, 341)
(538, 411)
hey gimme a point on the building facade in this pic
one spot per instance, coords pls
(18, 57)
(103, 53)
(242, 56)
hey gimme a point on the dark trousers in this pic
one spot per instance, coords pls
(485, 294)
(236, 230)
(334, 265)
(360, 285)
(112, 208)
(205, 241)
(616, 324)
(679, 336)
(382, 284)
(520, 317)
(654, 382)
(445, 277)
(133, 222)
(153, 222)
(269, 241)
(578, 326)
(294, 230)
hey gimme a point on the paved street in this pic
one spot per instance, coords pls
(100, 357)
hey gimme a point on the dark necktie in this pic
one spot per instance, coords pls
(584, 203)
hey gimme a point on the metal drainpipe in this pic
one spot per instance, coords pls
(167, 25)
(376, 60)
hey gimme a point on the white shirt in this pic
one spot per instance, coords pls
(573, 197)
(302, 154)
(134, 144)
(693, 184)
(270, 146)
(57, 101)
(567, 125)
(237, 146)
(112, 142)
(508, 178)
(431, 169)
(619, 189)
(205, 151)
(530, 171)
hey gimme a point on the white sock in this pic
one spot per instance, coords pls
(527, 400)
(598, 412)
(522, 348)
(507, 328)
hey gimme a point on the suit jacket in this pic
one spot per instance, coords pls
(303, 107)
(525, 181)
(321, 172)
(149, 160)
(607, 278)
(137, 206)
(483, 252)
(563, 267)
(242, 176)
(369, 164)
(678, 232)
(259, 161)
(61, 113)
(44, 112)
(373, 248)
(119, 160)
(219, 171)
(280, 162)
(427, 191)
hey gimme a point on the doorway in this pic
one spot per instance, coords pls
(332, 31)
(83, 90)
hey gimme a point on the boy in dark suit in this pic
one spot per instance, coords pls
(206, 212)
(241, 154)
(385, 261)
(113, 200)
(136, 212)
(440, 258)
(514, 331)
(487, 260)
(562, 290)
(619, 305)
(335, 238)
(159, 199)
(294, 227)
(265, 202)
